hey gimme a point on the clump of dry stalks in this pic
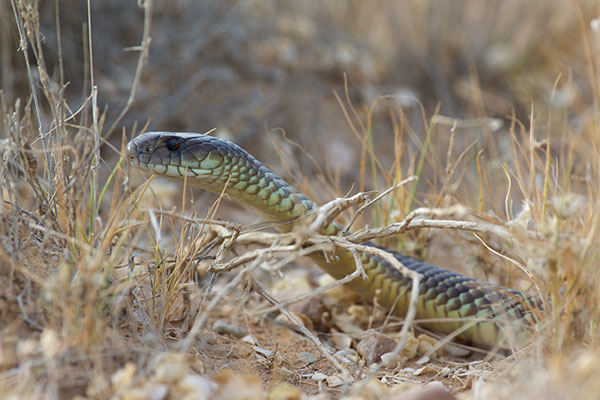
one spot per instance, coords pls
(104, 295)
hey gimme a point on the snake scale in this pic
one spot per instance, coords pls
(477, 313)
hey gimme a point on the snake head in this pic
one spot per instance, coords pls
(175, 155)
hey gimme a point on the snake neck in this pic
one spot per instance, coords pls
(244, 178)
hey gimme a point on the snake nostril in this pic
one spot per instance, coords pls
(149, 148)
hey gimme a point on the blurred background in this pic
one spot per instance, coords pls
(252, 67)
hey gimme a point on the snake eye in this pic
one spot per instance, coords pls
(172, 144)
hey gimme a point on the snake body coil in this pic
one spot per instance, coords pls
(475, 312)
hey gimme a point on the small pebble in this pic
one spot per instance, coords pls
(264, 352)
(317, 376)
(307, 358)
(373, 345)
(427, 393)
(334, 381)
(223, 328)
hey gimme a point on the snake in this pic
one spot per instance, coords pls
(469, 311)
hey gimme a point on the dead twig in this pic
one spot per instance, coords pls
(376, 199)
(345, 373)
(327, 212)
(201, 318)
(360, 271)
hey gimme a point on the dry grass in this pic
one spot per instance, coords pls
(113, 286)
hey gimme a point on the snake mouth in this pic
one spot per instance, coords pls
(136, 156)
(169, 170)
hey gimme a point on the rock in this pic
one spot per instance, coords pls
(373, 345)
